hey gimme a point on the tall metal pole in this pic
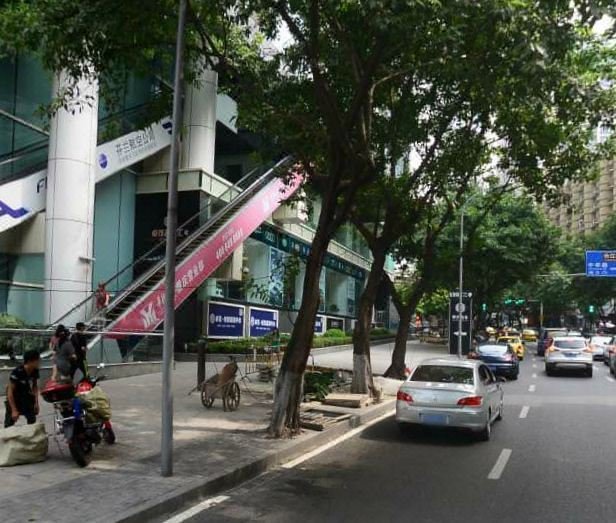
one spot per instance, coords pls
(461, 275)
(166, 462)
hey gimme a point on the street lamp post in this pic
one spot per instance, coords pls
(166, 440)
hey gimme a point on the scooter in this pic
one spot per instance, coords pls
(81, 432)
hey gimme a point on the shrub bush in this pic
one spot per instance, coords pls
(334, 333)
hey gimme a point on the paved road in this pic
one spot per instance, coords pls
(561, 467)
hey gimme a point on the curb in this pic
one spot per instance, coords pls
(178, 499)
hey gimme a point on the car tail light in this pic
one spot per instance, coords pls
(471, 401)
(404, 396)
(473, 356)
(549, 341)
(588, 349)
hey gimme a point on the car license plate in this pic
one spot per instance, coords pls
(434, 419)
(570, 354)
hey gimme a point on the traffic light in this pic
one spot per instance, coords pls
(508, 301)
(520, 301)
(484, 307)
(591, 309)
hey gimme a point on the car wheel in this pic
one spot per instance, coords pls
(611, 370)
(549, 371)
(500, 411)
(589, 372)
(514, 376)
(486, 432)
(606, 362)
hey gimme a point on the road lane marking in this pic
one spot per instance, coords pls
(333, 443)
(501, 463)
(534, 359)
(532, 388)
(534, 365)
(534, 375)
(610, 379)
(524, 411)
(200, 507)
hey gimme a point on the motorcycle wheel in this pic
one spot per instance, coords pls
(109, 436)
(81, 451)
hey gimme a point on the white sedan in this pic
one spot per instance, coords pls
(451, 392)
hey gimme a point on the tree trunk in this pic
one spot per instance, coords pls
(397, 369)
(405, 311)
(289, 383)
(362, 368)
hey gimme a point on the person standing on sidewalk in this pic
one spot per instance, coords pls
(22, 390)
(80, 343)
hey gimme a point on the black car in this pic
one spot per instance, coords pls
(500, 357)
(547, 335)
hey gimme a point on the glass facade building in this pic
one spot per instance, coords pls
(130, 206)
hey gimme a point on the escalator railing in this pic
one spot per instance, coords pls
(140, 277)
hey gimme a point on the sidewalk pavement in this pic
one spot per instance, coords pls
(213, 451)
(380, 356)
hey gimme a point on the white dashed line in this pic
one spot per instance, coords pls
(524, 411)
(534, 365)
(610, 379)
(534, 375)
(193, 511)
(500, 464)
(532, 388)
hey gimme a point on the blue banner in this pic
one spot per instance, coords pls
(262, 322)
(601, 264)
(225, 320)
(319, 325)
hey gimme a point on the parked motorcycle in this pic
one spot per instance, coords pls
(82, 415)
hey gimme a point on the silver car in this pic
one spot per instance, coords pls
(450, 392)
(568, 352)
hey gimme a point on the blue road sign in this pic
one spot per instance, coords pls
(601, 264)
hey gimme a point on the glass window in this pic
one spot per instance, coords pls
(443, 374)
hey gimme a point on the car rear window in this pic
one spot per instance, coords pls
(602, 340)
(570, 344)
(493, 350)
(443, 374)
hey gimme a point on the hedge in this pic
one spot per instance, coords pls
(243, 345)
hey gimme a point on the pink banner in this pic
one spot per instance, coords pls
(147, 313)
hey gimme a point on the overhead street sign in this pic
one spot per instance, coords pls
(601, 264)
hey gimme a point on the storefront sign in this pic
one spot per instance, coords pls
(148, 312)
(261, 321)
(21, 199)
(319, 325)
(225, 320)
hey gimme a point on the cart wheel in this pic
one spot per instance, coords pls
(207, 401)
(232, 400)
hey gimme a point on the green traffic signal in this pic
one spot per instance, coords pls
(591, 309)
(484, 307)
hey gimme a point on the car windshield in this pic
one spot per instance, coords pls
(443, 374)
(570, 344)
(493, 350)
(556, 334)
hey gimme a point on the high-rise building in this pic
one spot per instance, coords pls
(589, 204)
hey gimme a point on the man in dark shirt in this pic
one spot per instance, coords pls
(80, 343)
(22, 390)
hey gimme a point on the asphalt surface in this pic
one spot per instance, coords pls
(557, 433)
